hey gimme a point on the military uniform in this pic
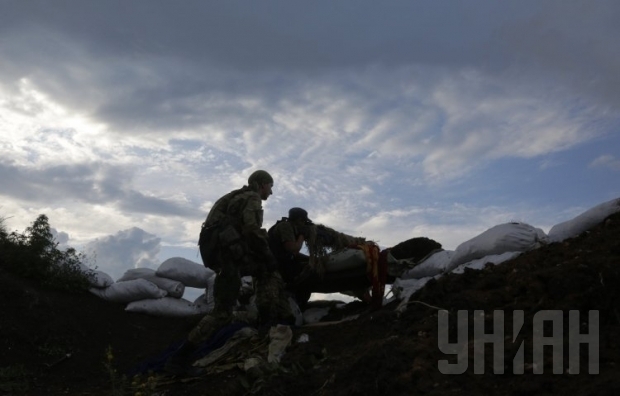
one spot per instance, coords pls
(249, 255)
(233, 244)
(290, 265)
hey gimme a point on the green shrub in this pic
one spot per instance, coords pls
(35, 255)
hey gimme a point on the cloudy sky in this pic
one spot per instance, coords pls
(123, 121)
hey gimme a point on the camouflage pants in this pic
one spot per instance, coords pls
(271, 299)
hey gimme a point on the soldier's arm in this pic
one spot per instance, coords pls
(252, 216)
(252, 222)
(291, 243)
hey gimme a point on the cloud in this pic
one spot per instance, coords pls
(606, 161)
(365, 113)
(574, 43)
(95, 183)
(59, 237)
(333, 144)
(440, 105)
(127, 249)
(449, 224)
(147, 75)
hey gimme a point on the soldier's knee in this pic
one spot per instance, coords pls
(207, 327)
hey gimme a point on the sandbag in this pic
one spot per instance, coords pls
(205, 302)
(189, 273)
(134, 290)
(166, 306)
(98, 279)
(299, 317)
(280, 337)
(313, 315)
(404, 289)
(433, 265)
(174, 288)
(509, 237)
(345, 259)
(583, 222)
(481, 263)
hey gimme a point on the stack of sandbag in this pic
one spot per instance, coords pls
(432, 265)
(496, 245)
(172, 287)
(173, 275)
(503, 238)
(159, 292)
(124, 292)
(586, 220)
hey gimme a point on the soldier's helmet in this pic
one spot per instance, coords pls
(298, 214)
(259, 178)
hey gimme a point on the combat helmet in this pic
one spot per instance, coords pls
(298, 214)
(259, 177)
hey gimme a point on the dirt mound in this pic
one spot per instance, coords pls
(378, 353)
(414, 248)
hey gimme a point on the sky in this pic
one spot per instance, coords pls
(124, 121)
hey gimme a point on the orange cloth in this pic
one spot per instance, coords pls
(376, 268)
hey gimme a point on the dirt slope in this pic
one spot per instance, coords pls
(379, 353)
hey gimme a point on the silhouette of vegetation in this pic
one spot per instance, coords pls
(35, 255)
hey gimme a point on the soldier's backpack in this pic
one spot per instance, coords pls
(222, 233)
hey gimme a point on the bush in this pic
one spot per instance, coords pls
(35, 255)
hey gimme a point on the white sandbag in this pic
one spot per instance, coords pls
(509, 237)
(98, 279)
(299, 317)
(313, 315)
(185, 271)
(481, 263)
(205, 302)
(345, 259)
(404, 289)
(280, 338)
(134, 290)
(174, 288)
(433, 265)
(583, 222)
(167, 306)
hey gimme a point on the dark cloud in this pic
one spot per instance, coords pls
(160, 65)
(94, 183)
(307, 35)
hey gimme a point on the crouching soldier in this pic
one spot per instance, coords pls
(233, 244)
(286, 239)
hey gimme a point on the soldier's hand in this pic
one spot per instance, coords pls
(304, 230)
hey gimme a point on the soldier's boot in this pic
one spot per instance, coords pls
(209, 326)
(181, 362)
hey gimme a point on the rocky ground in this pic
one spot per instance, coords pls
(54, 343)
